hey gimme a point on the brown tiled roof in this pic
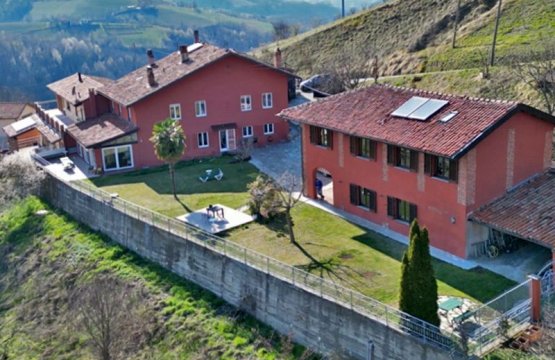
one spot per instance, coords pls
(367, 113)
(134, 86)
(527, 211)
(100, 130)
(49, 133)
(11, 110)
(71, 89)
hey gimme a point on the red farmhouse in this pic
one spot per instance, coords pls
(222, 98)
(395, 154)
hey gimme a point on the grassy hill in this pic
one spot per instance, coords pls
(43, 259)
(415, 35)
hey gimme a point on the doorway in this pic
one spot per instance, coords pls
(326, 179)
(227, 140)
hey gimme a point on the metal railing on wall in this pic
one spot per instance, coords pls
(322, 287)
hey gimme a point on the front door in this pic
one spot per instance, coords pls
(227, 140)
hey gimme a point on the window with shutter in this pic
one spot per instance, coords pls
(321, 136)
(391, 152)
(363, 197)
(441, 167)
(401, 210)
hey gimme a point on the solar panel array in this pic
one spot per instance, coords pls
(419, 108)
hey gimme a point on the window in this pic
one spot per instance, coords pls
(129, 117)
(247, 130)
(246, 103)
(202, 139)
(267, 101)
(200, 108)
(401, 209)
(363, 197)
(402, 157)
(175, 112)
(320, 136)
(363, 147)
(268, 129)
(117, 158)
(120, 109)
(441, 167)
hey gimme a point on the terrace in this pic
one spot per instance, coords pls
(361, 259)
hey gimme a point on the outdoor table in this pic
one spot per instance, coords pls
(213, 211)
(450, 304)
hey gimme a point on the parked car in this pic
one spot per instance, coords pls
(314, 82)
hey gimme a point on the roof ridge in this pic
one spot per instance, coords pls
(439, 93)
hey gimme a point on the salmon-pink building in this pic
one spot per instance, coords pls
(396, 154)
(223, 100)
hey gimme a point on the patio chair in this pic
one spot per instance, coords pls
(219, 175)
(207, 176)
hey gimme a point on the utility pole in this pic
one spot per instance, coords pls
(492, 54)
(342, 8)
(457, 16)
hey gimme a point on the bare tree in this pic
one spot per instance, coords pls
(456, 25)
(110, 313)
(539, 73)
(19, 177)
(495, 30)
(349, 68)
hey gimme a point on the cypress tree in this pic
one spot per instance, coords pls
(418, 295)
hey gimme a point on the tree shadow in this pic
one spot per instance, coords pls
(187, 208)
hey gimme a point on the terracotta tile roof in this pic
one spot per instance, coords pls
(527, 211)
(51, 135)
(134, 86)
(71, 89)
(99, 130)
(367, 113)
(11, 110)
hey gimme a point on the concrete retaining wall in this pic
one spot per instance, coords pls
(311, 320)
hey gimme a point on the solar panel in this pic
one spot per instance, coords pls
(409, 106)
(24, 124)
(427, 109)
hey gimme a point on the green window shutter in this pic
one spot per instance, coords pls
(373, 149)
(354, 192)
(454, 170)
(391, 208)
(373, 201)
(353, 140)
(414, 160)
(428, 164)
(313, 135)
(391, 152)
(412, 211)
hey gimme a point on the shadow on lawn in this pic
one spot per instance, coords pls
(235, 180)
(471, 282)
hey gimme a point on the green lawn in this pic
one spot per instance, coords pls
(363, 260)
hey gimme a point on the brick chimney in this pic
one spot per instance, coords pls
(184, 53)
(197, 37)
(150, 76)
(277, 58)
(150, 57)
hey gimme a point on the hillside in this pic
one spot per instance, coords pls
(44, 259)
(415, 35)
(45, 40)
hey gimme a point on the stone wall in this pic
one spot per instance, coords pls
(316, 322)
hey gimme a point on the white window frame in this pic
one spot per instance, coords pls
(267, 129)
(175, 111)
(246, 103)
(207, 140)
(200, 105)
(250, 133)
(267, 100)
(117, 159)
(129, 117)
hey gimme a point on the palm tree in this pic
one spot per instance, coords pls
(169, 145)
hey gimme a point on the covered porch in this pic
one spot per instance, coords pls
(515, 234)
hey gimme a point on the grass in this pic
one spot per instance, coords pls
(365, 261)
(44, 257)
(152, 188)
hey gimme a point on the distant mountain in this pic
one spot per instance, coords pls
(43, 40)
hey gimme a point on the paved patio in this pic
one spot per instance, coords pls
(216, 224)
(79, 172)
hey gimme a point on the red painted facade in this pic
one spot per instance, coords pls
(221, 86)
(513, 152)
